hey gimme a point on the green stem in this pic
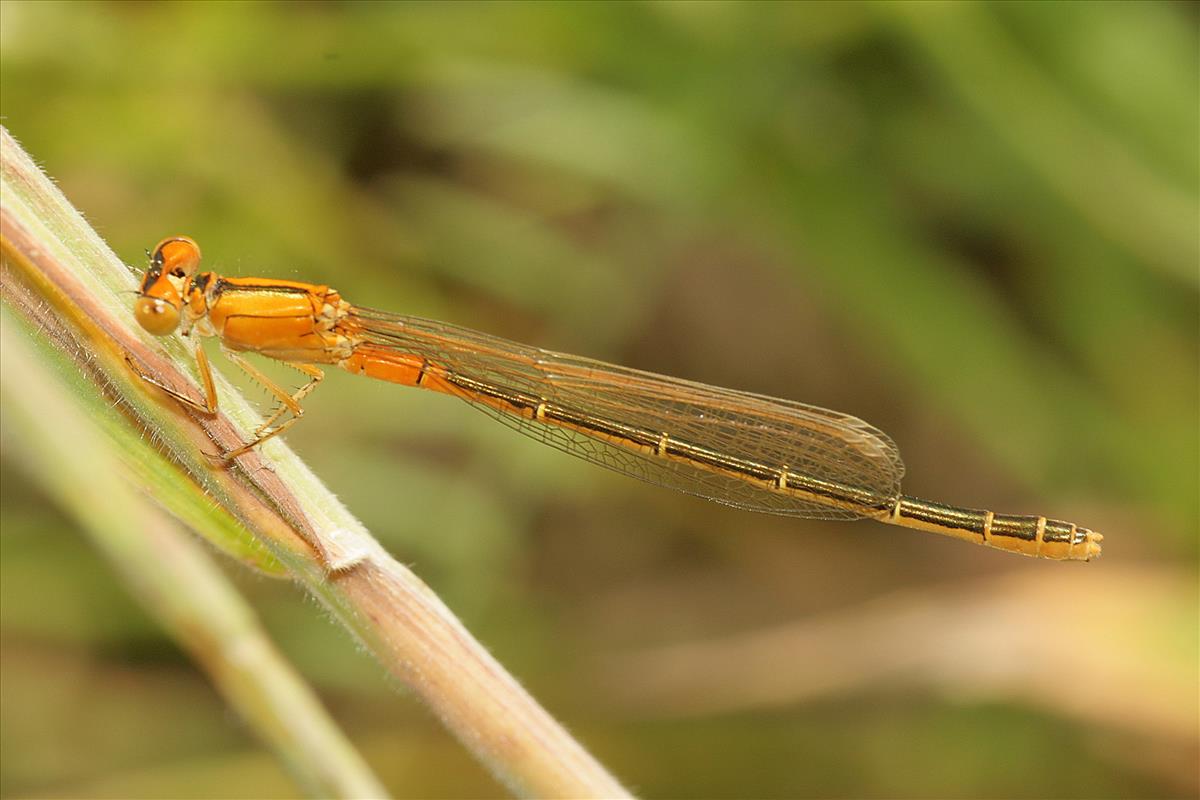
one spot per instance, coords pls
(59, 274)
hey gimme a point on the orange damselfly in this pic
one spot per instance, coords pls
(740, 449)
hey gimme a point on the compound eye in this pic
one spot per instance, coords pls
(156, 315)
(177, 255)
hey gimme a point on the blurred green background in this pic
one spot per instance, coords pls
(974, 225)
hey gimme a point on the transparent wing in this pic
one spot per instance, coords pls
(763, 430)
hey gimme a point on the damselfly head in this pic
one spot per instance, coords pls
(172, 263)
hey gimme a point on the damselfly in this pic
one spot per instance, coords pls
(740, 449)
